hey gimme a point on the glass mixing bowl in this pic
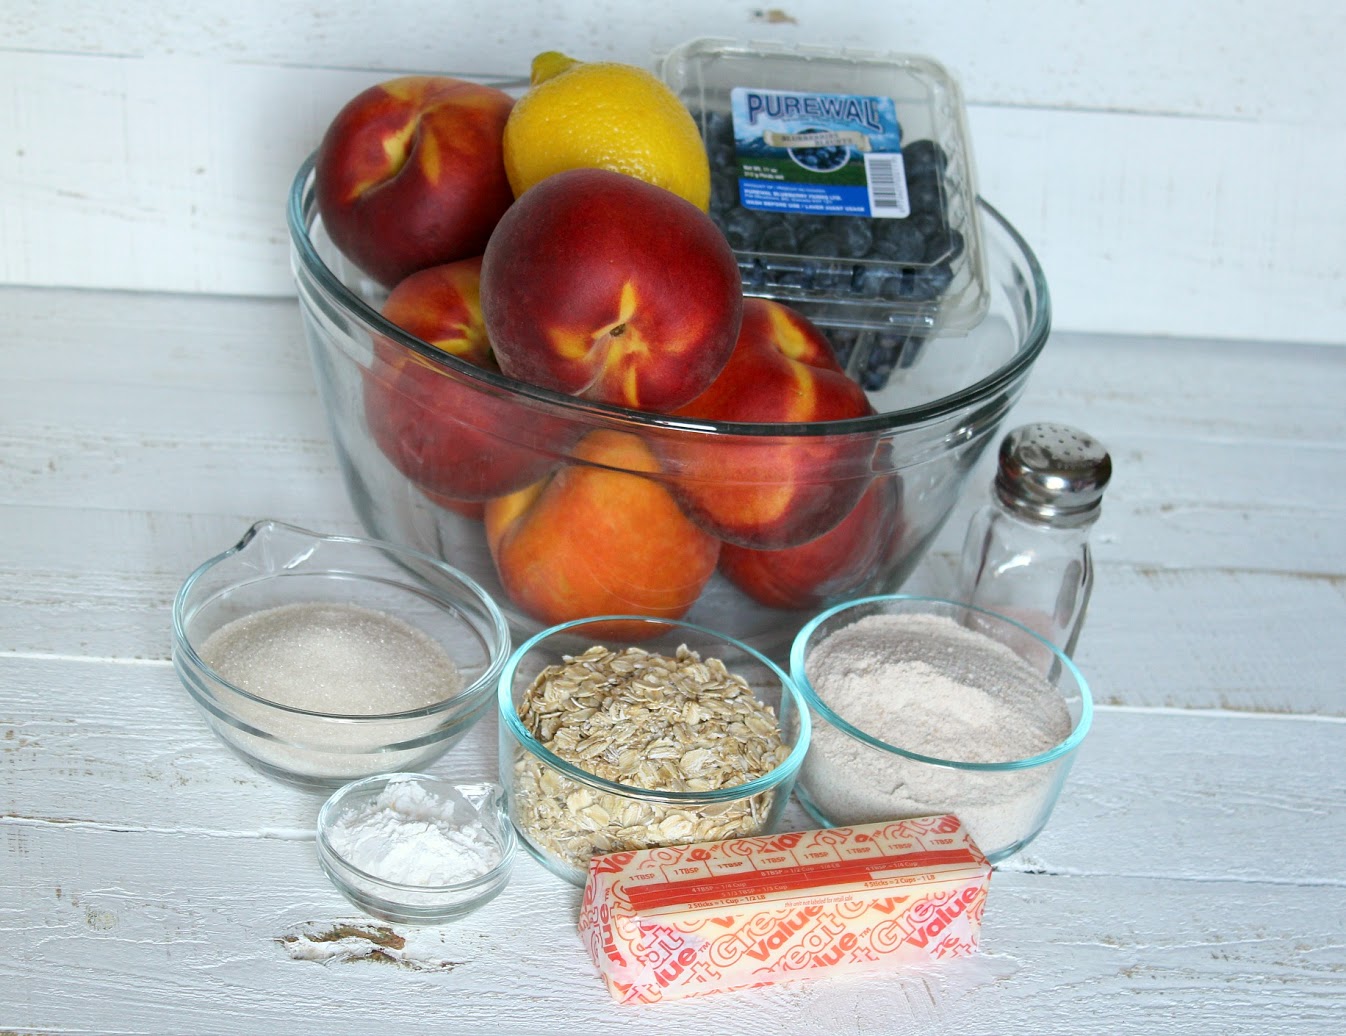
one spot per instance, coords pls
(428, 443)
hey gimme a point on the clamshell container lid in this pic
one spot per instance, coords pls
(944, 291)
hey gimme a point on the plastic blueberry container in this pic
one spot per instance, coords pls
(874, 233)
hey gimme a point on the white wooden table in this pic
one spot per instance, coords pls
(1189, 882)
(1178, 172)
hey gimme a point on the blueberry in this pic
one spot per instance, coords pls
(924, 155)
(923, 176)
(830, 277)
(724, 185)
(855, 234)
(899, 241)
(911, 348)
(876, 367)
(804, 225)
(925, 197)
(720, 126)
(909, 260)
(821, 243)
(929, 282)
(884, 249)
(893, 287)
(887, 352)
(867, 280)
(778, 237)
(754, 275)
(843, 341)
(945, 245)
(928, 223)
(740, 228)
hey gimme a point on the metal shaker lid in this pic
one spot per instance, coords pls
(1052, 473)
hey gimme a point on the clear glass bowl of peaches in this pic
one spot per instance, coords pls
(572, 396)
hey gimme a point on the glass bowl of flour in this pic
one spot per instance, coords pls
(923, 706)
(323, 659)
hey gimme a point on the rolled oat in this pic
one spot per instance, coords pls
(644, 720)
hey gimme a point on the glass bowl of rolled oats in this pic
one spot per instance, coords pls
(629, 732)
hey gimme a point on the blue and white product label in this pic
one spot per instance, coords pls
(822, 154)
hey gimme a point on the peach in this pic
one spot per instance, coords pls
(603, 286)
(454, 438)
(411, 174)
(599, 537)
(835, 564)
(473, 510)
(769, 491)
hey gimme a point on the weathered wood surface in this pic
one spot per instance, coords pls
(150, 882)
(1176, 168)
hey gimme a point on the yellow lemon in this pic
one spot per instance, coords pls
(604, 115)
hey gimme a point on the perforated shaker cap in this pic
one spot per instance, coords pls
(1052, 473)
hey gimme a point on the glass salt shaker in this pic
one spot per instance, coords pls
(1027, 554)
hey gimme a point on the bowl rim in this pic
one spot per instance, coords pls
(302, 200)
(502, 826)
(477, 690)
(777, 775)
(798, 651)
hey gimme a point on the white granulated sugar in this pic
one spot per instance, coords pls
(411, 836)
(333, 658)
(926, 684)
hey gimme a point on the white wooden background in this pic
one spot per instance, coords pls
(1176, 165)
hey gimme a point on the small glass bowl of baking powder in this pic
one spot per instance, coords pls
(924, 706)
(416, 849)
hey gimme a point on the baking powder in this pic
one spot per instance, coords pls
(411, 836)
(928, 685)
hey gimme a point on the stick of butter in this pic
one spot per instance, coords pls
(688, 920)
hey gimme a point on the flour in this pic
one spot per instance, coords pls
(410, 836)
(930, 686)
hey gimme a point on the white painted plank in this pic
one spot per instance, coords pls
(1202, 796)
(100, 193)
(1210, 439)
(1243, 61)
(98, 584)
(1220, 391)
(1146, 223)
(1182, 227)
(121, 341)
(140, 758)
(150, 932)
(144, 433)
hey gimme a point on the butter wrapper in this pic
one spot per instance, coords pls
(687, 920)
